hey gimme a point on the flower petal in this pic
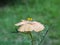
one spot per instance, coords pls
(37, 26)
(26, 27)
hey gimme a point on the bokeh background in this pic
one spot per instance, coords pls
(45, 11)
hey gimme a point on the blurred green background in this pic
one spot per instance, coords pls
(45, 11)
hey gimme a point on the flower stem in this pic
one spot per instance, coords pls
(31, 38)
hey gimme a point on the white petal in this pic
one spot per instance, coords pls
(21, 23)
(38, 26)
(26, 27)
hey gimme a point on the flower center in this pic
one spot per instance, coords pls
(29, 19)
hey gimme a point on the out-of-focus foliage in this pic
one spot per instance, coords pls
(44, 11)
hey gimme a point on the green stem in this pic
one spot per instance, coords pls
(44, 37)
(31, 38)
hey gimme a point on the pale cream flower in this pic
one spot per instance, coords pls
(37, 26)
(26, 26)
